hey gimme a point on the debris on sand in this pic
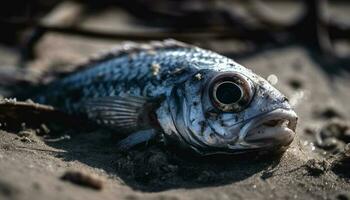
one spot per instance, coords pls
(165, 169)
(343, 196)
(30, 135)
(295, 84)
(347, 150)
(9, 100)
(333, 136)
(63, 137)
(155, 166)
(8, 190)
(26, 140)
(315, 167)
(328, 113)
(341, 164)
(83, 179)
(45, 129)
(27, 135)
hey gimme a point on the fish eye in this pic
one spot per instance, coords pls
(230, 92)
(227, 92)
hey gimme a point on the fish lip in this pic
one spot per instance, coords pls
(280, 114)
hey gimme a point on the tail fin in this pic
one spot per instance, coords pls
(17, 82)
(11, 76)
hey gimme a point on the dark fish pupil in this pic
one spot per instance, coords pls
(228, 93)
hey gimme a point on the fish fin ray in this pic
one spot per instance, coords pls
(135, 139)
(117, 113)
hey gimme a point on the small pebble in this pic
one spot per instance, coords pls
(83, 179)
(272, 79)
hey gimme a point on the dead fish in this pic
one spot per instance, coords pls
(193, 98)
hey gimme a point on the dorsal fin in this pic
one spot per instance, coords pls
(125, 48)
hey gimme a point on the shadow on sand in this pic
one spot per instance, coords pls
(154, 167)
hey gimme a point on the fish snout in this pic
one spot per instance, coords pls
(274, 128)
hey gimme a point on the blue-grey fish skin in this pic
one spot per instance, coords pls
(184, 78)
(132, 73)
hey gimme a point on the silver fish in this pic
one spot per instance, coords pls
(193, 98)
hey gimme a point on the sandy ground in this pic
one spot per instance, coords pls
(32, 164)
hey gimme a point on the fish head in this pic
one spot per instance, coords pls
(229, 112)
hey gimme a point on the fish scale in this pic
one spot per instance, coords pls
(119, 70)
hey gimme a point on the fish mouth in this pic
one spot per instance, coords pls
(276, 127)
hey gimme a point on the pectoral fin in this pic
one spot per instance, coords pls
(135, 139)
(127, 114)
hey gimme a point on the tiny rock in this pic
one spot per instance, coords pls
(83, 179)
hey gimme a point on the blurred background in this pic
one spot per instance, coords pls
(300, 46)
(232, 27)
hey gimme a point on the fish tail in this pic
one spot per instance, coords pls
(18, 83)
